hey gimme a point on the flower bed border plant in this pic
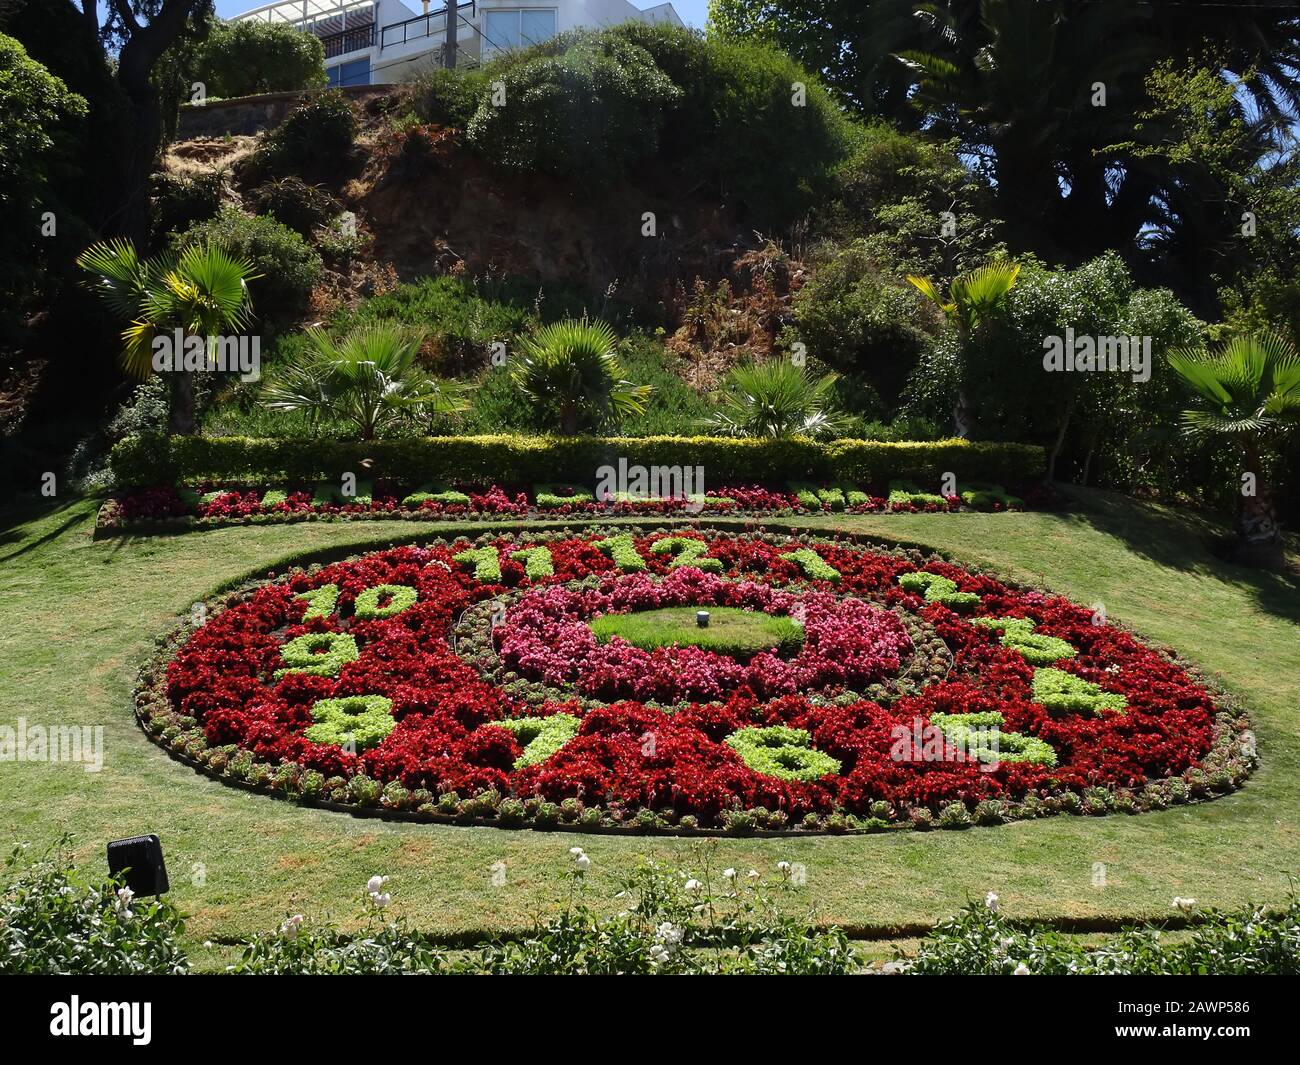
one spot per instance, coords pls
(1224, 767)
(169, 509)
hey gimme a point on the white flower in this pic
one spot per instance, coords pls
(782, 867)
(575, 851)
(1021, 970)
(374, 884)
(753, 874)
(290, 927)
(658, 954)
(991, 901)
(381, 901)
(670, 934)
(207, 944)
(1006, 942)
(1185, 905)
(693, 885)
(582, 862)
(122, 901)
(730, 874)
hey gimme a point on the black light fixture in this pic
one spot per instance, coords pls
(140, 858)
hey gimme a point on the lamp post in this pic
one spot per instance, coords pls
(450, 59)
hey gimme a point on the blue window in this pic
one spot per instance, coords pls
(355, 73)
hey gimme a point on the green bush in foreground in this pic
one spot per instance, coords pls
(670, 923)
(981, 942)
(54, 921)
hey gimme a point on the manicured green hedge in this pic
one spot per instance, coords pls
(145, 461)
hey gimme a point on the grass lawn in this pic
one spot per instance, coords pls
(77, 617)
(730, 630)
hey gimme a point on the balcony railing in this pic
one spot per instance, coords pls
(356, 40)
(434, 24)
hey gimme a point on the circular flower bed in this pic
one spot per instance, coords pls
(488, 681)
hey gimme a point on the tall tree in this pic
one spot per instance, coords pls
(1037, 92)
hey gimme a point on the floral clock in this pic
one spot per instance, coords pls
(683, 681)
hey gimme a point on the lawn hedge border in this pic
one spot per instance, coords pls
(149, 460)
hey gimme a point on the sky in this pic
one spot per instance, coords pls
(692, 12)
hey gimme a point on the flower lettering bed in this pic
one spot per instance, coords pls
(487, 681)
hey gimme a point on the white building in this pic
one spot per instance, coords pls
(377, 42)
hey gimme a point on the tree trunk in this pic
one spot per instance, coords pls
(181, 415)
(1257, 524)
(1060, 439)
(135, 65)
(569, 419)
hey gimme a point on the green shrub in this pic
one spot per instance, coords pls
(459, 322)
(40, 121)
(435, 494)
(858, 319)
(292, 202)
(56, 921)
(179, 203)
(289, 269)
(248, 57)
(737, 126)
(589, 109)
(980, 941)
(448, 97)
(507, 460)
(313, 141)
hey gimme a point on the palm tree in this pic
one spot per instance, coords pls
(775, 398)
(1250, 393)
(571, 374)
(203, 292)
(975, 298)
(368, 379)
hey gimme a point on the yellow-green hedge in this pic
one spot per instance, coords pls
(520, 460)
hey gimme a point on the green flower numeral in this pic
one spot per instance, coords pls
(981, 736)
(814, 567)
(686, 552)
(486, 563)
(371, 604)
(937, 589)
(356, 722)
(537, 562)
(1064, 693)
(785, 753)
(540, 737)
(1018, 634)
(622, 549)
(321, 654)
(320, 601)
